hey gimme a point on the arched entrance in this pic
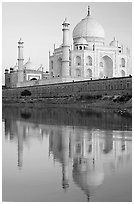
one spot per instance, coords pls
(33, 79)
(122, 62)
(101, 75)
(89, 73)
(78, 73)
(122, 73)
(108, 66)
(89, 61)
(78, 61)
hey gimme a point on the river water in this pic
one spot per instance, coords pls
(60, 154)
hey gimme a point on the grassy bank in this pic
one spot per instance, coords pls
(121, 104)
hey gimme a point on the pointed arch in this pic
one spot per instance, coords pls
(108, 66)
(101, 75)
(123, 73)
(89, 73)
(122, 62)
(78, 60)
(89, 61)
(51, 64)
(32, 79)
(78, 72)
(101, 64)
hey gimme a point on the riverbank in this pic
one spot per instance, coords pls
(118, 104)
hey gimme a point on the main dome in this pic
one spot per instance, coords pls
(89, 29)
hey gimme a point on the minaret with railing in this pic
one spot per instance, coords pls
(65, 49)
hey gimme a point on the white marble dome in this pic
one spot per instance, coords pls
(89, 29)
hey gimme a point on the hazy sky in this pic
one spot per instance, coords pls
(40, 26)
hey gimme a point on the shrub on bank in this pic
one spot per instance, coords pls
(123, 98)
(89, 97)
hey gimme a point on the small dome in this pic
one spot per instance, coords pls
(81, 41)
(89, 29)
(114, 43)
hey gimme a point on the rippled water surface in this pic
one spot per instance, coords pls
(66, 155)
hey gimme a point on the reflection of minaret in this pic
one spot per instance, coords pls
(59, 146)
(21, 137)
(20, 151)
(65, 160)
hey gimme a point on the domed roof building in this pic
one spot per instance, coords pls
(89, 29)
(89, 57)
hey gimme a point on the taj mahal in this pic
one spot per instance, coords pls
(89, 58)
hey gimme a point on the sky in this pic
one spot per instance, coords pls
(40, 27)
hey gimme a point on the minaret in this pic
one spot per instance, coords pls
(65, 49)
(20, 61)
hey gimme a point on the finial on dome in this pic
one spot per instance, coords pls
(20, 40)
(88, 11)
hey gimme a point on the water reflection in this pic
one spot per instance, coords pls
(92, 153)
(70, 117)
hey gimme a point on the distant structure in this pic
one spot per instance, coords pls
(23, 72)
(90, 58)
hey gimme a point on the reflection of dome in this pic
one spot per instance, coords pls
(89, 29)
(88, 180)
(81, 41)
